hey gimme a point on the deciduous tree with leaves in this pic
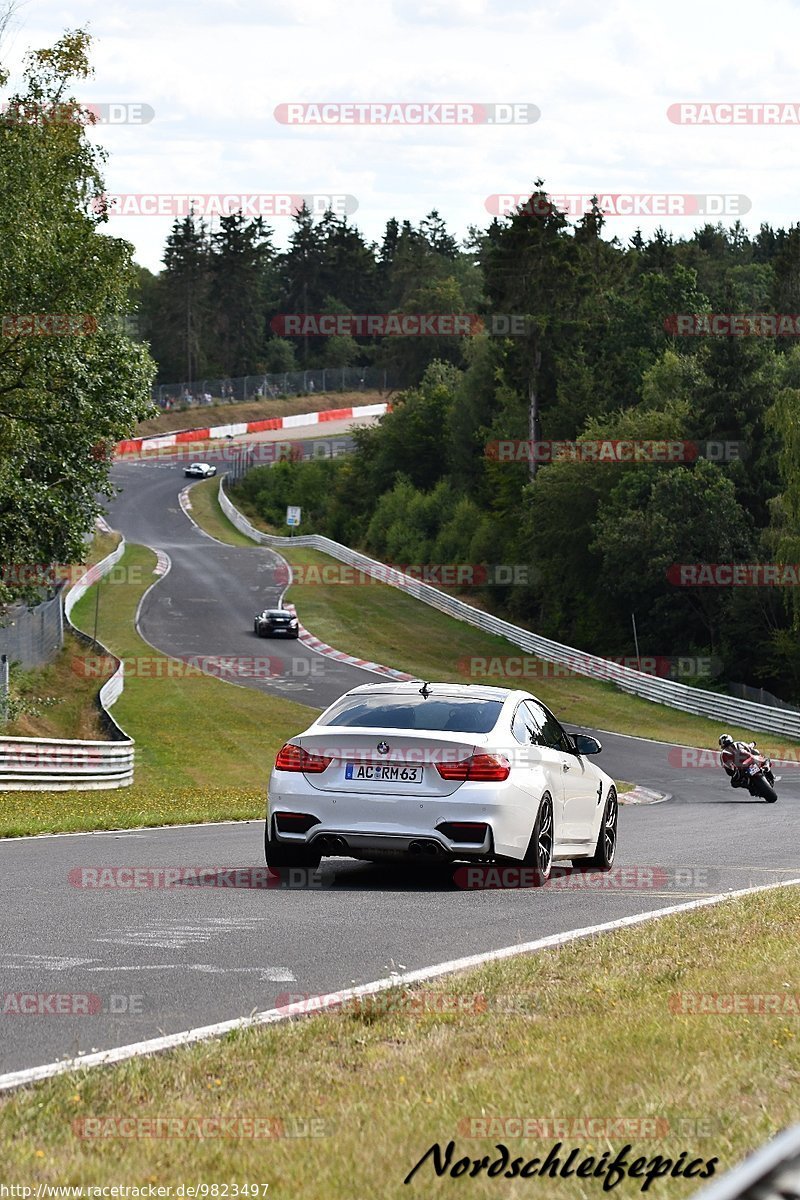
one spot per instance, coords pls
(65, 397)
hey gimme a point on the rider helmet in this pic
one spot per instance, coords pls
(725, 741)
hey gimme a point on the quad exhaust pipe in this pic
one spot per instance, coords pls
(333, 843)
(425, 849)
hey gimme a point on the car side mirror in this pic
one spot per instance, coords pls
(584, 744)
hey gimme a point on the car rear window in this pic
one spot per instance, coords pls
(442, 714)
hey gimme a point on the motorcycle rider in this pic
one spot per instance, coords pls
(732, 758)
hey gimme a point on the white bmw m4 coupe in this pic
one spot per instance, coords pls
(440, 772)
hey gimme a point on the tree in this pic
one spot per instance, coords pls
(70, 392)
(408, 441)
(434, 230)
(348, 271)
(240, 253)
(302, 283)
(657, 518)
(784, 417)
(278, 356)
(530, 267)
(786, 269)
(180, 319)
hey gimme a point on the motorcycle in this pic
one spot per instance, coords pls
(755, 773)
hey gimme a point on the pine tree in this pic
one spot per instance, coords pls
(241, 252)
(181, 303)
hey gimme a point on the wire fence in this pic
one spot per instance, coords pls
(73, 764)
(759, 695)
(205, 392)
(32, 636)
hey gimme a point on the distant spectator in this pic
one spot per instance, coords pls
(311, 385)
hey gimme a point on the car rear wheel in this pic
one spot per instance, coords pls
(606, 848)
(282, 857)
(539, 854)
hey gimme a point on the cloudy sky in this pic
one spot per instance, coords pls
(602, 76)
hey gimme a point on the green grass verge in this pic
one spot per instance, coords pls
(594, 1035)
(381, 623)
(204, 748)
(206, 511)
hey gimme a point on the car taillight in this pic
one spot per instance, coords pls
(481, 768)
(295, 758)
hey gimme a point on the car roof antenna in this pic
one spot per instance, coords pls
(425, 690)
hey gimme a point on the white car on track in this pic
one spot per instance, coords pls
(440, 772)
(199, 470)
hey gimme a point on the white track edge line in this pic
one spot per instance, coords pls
(332, 1000)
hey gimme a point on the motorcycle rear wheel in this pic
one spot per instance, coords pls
(760, 787)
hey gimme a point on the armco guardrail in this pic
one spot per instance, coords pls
(772, 1173)
(62, 764)
(726, 709)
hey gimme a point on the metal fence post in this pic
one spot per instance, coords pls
(3, 688)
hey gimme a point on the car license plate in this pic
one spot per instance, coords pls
(754, 770)
(382, 773)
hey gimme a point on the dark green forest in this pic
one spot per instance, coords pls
(599, 357)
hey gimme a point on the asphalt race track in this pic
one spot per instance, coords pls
(153, 960)
(206, 604)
